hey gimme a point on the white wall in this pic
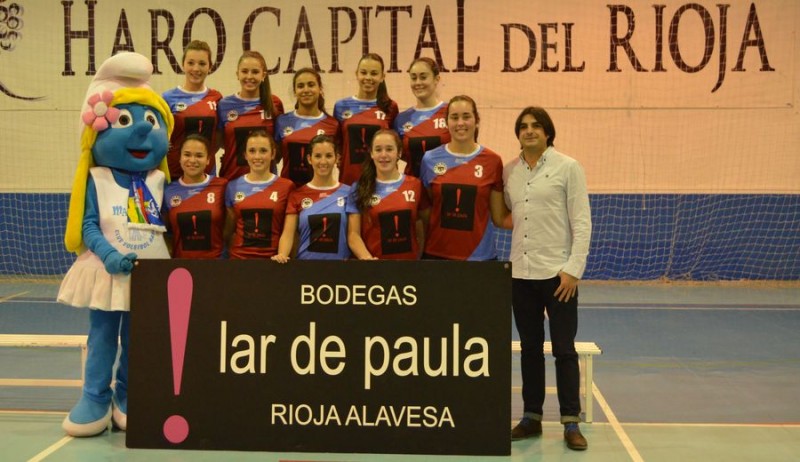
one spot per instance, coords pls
(633, 131)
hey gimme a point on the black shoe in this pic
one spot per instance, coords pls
(574, 438)
(526, 428)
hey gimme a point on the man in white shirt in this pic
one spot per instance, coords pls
(545, 191)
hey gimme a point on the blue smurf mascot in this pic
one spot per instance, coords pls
(113, 220)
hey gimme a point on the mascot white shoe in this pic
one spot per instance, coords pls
(113, 220)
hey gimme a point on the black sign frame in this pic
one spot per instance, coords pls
(230, 396)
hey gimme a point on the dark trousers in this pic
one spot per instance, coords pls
(531, 298)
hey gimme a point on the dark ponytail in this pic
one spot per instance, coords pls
(369, 174)
(264, 90)
(384, 101)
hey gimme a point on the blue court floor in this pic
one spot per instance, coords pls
(688, 373)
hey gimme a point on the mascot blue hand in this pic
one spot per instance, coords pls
(136, 142)
(117, 263)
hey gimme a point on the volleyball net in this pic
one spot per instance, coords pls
(683, 115)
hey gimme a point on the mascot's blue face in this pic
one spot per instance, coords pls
(137, 142)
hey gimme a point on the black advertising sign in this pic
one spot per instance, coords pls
(357, 356)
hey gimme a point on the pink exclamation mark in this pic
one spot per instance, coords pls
(194, 224)
(396, 226)
(364, 136)
(324, 226)
(200, 126)
(303, 157)
(179, 293)
(458, 198)
(256, 217)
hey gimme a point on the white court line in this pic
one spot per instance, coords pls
(13, 296)
(612, 420)
(30, 412)
(693, 308)
(53, 448)
(588, 306)
(713, 425)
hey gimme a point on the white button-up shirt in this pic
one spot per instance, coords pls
(552, 220)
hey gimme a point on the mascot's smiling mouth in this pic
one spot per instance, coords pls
(139, 154)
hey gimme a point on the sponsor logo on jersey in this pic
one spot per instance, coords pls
(440, 168)
(180, 107)
(407, 127)
(347, 114)
(375, 200)
(232, 115)
(306, 203)
(340, 201)
(320, 131)
(287, 131)
(175, 201)
(239, 196)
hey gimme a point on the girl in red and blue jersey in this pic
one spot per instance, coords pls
(252, 108)
(296, 129)
(256, 202)
(386, 207)
(194, 204)
(193, 105)
(316, 222)
(362, 115)
(465, 184)
(424, 126)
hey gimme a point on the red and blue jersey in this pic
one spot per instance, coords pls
(359, 120)
(321, 222)
(293, 133)
(421, 131)
(389, 226)
(460, 187)
(238, 117)
(195, 216)
(259, 209)
(194, 112)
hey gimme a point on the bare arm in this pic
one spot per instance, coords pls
(286, 242)
(423, 219)
(501, 215)
(230, 225)
(354, 240)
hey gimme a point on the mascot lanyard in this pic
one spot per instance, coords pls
(142, 207)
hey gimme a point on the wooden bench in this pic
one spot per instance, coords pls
(48, 341)
(586, 351)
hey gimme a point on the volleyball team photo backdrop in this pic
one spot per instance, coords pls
(683, 114)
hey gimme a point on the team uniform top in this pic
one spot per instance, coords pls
(293, 133)
(238, 117)
(321, 222)
(194, 112)
(460, 188)
(359, 120)
(389, 226)
(421, 130)
(195, 215)
(259, 209)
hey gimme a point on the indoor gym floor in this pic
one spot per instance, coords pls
(689, 372)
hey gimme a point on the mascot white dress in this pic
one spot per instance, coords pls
(113, 220)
